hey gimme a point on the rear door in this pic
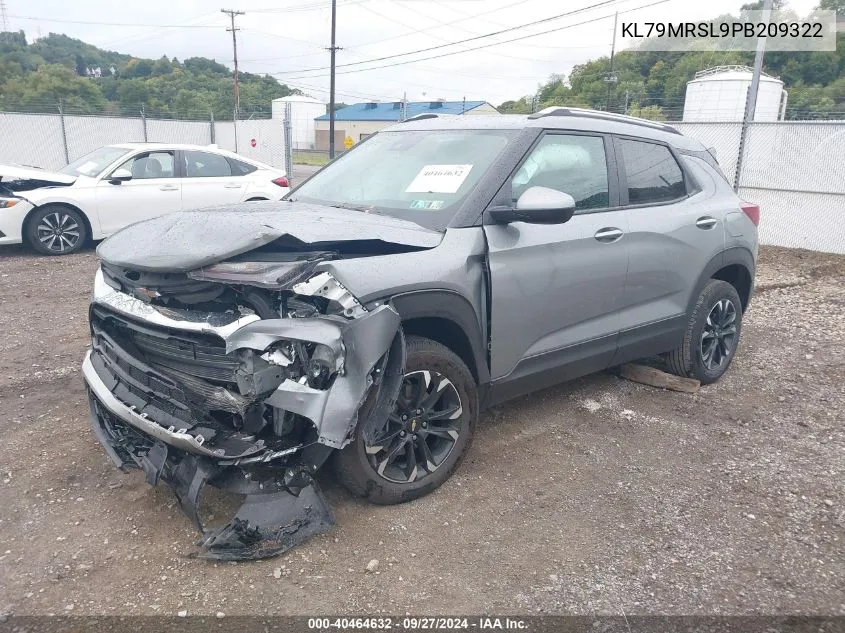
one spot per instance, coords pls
(555, 288)
(154, 190)
(674, 232)
(209, 180)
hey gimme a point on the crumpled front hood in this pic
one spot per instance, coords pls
(21, 172)
(187, 240)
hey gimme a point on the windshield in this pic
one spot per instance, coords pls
(94, 163)
(421, 176)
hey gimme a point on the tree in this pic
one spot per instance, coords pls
(42, 91)
(833, 5)
(652, 112)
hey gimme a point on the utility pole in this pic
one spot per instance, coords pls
(751, 105)
(232, 13)
(751, 100)
(611, 78)
(333, 49)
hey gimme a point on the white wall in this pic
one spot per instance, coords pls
(31, 139)
(794, 170)
(36, 139)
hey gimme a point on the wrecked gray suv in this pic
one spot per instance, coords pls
(442, 266)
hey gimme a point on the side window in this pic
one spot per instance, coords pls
(206, 165)
(653, 173)
(570, 163)
(240, 168)
(151, 165)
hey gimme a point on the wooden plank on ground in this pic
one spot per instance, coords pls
(656, 378)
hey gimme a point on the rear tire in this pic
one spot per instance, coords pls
(712, 335)
(405, 459)
(56, 230)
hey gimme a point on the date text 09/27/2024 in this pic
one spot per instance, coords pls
(418, 623)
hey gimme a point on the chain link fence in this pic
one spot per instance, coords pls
(794, 170)
(50, 141)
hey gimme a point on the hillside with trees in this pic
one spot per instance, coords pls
(35, 76)
(652, 84)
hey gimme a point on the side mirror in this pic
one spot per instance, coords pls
(537, 205)
(120, 175)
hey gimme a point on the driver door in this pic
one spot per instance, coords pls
(556, 289)
(154, 190)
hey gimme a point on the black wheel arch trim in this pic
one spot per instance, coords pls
(450, 306)
(737, 255)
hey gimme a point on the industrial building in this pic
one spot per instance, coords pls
(303, 111)
(360, 120)
(721, 94)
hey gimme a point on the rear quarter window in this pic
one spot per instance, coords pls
(240, 168)
(652, 173)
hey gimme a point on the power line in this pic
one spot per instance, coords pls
(469, 39)
(439, 22)
(414, 31)
(516, 39)
(306, 7)
(232, 13)
(132, 24)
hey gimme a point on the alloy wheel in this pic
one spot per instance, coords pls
(719, 336)
(58, 232)
(420, 432)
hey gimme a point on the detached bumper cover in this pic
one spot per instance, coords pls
(141, 416)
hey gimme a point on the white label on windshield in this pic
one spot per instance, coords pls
(439, 179)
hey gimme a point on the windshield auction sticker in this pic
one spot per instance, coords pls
(439, 179)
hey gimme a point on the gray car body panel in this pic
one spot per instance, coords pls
(187, 240)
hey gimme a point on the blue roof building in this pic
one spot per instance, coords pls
(375, 111)
(359, 120)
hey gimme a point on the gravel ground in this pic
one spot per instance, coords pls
(599, 496)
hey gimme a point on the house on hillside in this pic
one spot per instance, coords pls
(360, 120)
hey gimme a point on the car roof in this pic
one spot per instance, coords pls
(571, 119)
(187, 146)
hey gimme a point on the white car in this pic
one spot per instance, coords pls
(118, 185)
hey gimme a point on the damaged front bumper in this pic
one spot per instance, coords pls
(196, 399)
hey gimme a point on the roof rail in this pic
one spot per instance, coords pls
(420, 117)
(605, 116)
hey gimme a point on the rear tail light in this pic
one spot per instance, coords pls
(752, 211)
(282, 181)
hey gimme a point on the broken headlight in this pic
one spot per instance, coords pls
(271, 275)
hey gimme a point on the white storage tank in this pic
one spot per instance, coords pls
(719, 94)
(303, 112)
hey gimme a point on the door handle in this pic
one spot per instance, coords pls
(706, 222)
(608, 235)
(232, 185)
(169, 188)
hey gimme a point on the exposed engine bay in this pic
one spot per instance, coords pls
(244, 375)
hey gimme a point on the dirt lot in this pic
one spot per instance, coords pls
(599, 496)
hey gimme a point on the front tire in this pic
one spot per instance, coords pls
(712, 335)
(56, 230)
(424, 438)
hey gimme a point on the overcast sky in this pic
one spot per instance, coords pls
(288, 38)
